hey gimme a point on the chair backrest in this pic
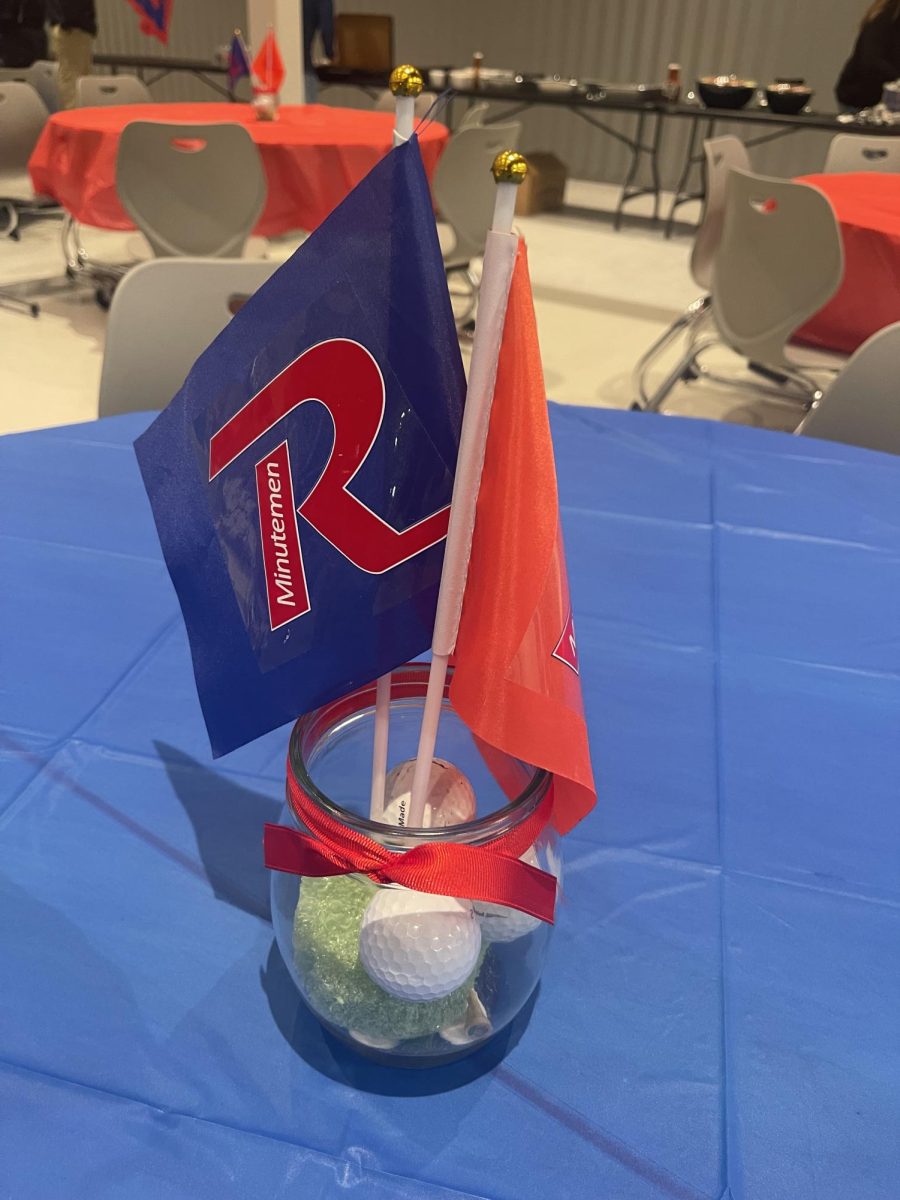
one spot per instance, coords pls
(855, 152)
(779, 261)
(463, 186)
(473, 116)
(364, 42)
(97, 91)
(43, 76)
(163, 316)
(22, 117)
(722, 154)
(862, 406)
(191, 189)
(424, 101)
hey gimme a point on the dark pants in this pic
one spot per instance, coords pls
(20, 47)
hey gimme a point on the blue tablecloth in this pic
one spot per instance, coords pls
(719, 1014)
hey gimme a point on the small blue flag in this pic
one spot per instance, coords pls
(301, 479)
(238, 61)
(155, 17)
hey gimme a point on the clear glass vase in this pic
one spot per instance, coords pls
(266, 105)
(319, 921)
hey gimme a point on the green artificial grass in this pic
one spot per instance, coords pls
(326, 949)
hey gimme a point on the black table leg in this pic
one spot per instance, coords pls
(691, 159)
(628, 190)
(654, 164)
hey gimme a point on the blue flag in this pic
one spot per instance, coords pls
(155, 17)
(238, 61)
(301, 479)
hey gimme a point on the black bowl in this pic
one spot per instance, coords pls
(718, 91)
(788, 100)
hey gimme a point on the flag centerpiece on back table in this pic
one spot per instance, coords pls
(300, 480)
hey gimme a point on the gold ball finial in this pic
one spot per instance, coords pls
(406, 81)
(509, 167)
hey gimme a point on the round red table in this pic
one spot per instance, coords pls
(313, 155)
(867, 206)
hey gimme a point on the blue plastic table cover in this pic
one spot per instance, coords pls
(719, 1014)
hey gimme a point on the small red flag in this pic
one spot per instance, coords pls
(516, 683)
(268, 67)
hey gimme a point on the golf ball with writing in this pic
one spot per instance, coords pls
(417, 946)
(450, 800)
(501, 924)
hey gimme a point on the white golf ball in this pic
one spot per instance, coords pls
(450, 800)
(501, 924)
(417, 946)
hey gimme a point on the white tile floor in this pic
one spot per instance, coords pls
(601, 299)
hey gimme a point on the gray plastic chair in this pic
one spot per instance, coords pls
(191, 189)
(855, 152)
(22, 117)
(722, 155)
(464, 191)
(163, 316)
(862, 406)
(98, 91)
(779, 261)
(474, 116)
(43, 76)
(464, 188)
(386, 102)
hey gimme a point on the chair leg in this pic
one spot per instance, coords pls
(73, 251)
(469, 301)
(11, 228)
(788, 386)
(27, 307)
(688, 322)
(106, 276)
(806, 394)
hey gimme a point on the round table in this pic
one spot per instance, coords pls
(867, 206)
(313, 155)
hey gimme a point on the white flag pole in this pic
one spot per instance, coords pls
(406, 83)
(509, 170)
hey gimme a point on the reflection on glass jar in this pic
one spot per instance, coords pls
(409, 978)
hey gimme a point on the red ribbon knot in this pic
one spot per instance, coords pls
(491, 872)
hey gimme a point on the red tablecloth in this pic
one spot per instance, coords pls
(313, 155)
(868, 209)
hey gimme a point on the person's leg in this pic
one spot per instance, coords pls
(82, 52)
(59, 39)
(74, 51)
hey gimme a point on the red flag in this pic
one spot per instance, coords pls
(516, 682)
(268, 67)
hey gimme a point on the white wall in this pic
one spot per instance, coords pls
(285, 17)
(197, 28)
(633, 40)
(589, 39)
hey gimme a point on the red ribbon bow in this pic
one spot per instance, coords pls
(491, 872)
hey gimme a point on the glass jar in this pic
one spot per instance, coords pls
(318, 921)
(266, 105)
